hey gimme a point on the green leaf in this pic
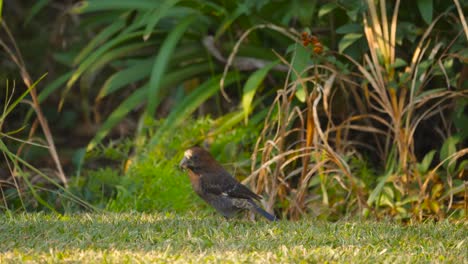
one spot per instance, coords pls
(117, 115)
(240, 10)
(423, 167)
(20, 98)
(141, 70)
(114, 54)
(387, 190)
(454, 190)
(156, 15)
(354, 8)
(57, 83)
(162, 60)
(227, 122)
(378, 189)
(251, 86)
(348, 40)
(35, 9)
(399, 62)
(463, 165)
(349, 28)
(107, 5)
(323, 188)
(78, 160)
(426, 9)
(93, 57)
(118, 53)
(449, 148)
(460, 119)
(100, 38)
(327, 8)
(299, 63)
(140, 95)
(305, 11)
(125, 77)
(189, 104)
(65, 58)
(427, 94)
(408, 200)
(384, 199)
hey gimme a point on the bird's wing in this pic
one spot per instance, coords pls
(222, 183)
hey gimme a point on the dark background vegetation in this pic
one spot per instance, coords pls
(308, 116)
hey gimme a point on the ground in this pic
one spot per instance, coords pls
(167, 237)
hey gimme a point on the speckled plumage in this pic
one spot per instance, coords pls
(217, 187)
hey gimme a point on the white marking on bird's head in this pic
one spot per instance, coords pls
(188, 153)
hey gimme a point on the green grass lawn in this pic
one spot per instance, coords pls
(149, 238)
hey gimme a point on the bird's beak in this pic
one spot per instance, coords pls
(183, 163)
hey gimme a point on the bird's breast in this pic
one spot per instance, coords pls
(195, 181)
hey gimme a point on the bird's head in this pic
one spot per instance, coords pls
(194, 157)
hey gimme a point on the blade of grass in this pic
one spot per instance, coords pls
(88, 62)
(115, 54)
(117, 115)
(99, 39)
(240, 10)
(156, 15)
(378, 189)
(300, 62)
(106, 5)
(141, 70)
(16, 57)
(139, 96)
(14, 158)
(21, 97)
(189, 104)
(162, 60)
(57, 83)
(125, 77)
(34, 10)
(65, 192)
(251, 86)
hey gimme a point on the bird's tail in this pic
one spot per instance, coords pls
(264, 213)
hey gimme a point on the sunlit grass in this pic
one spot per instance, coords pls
(158, 237)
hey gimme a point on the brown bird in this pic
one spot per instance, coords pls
(217, 187)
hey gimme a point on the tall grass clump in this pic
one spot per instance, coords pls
(350, 146)
(23, 186)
